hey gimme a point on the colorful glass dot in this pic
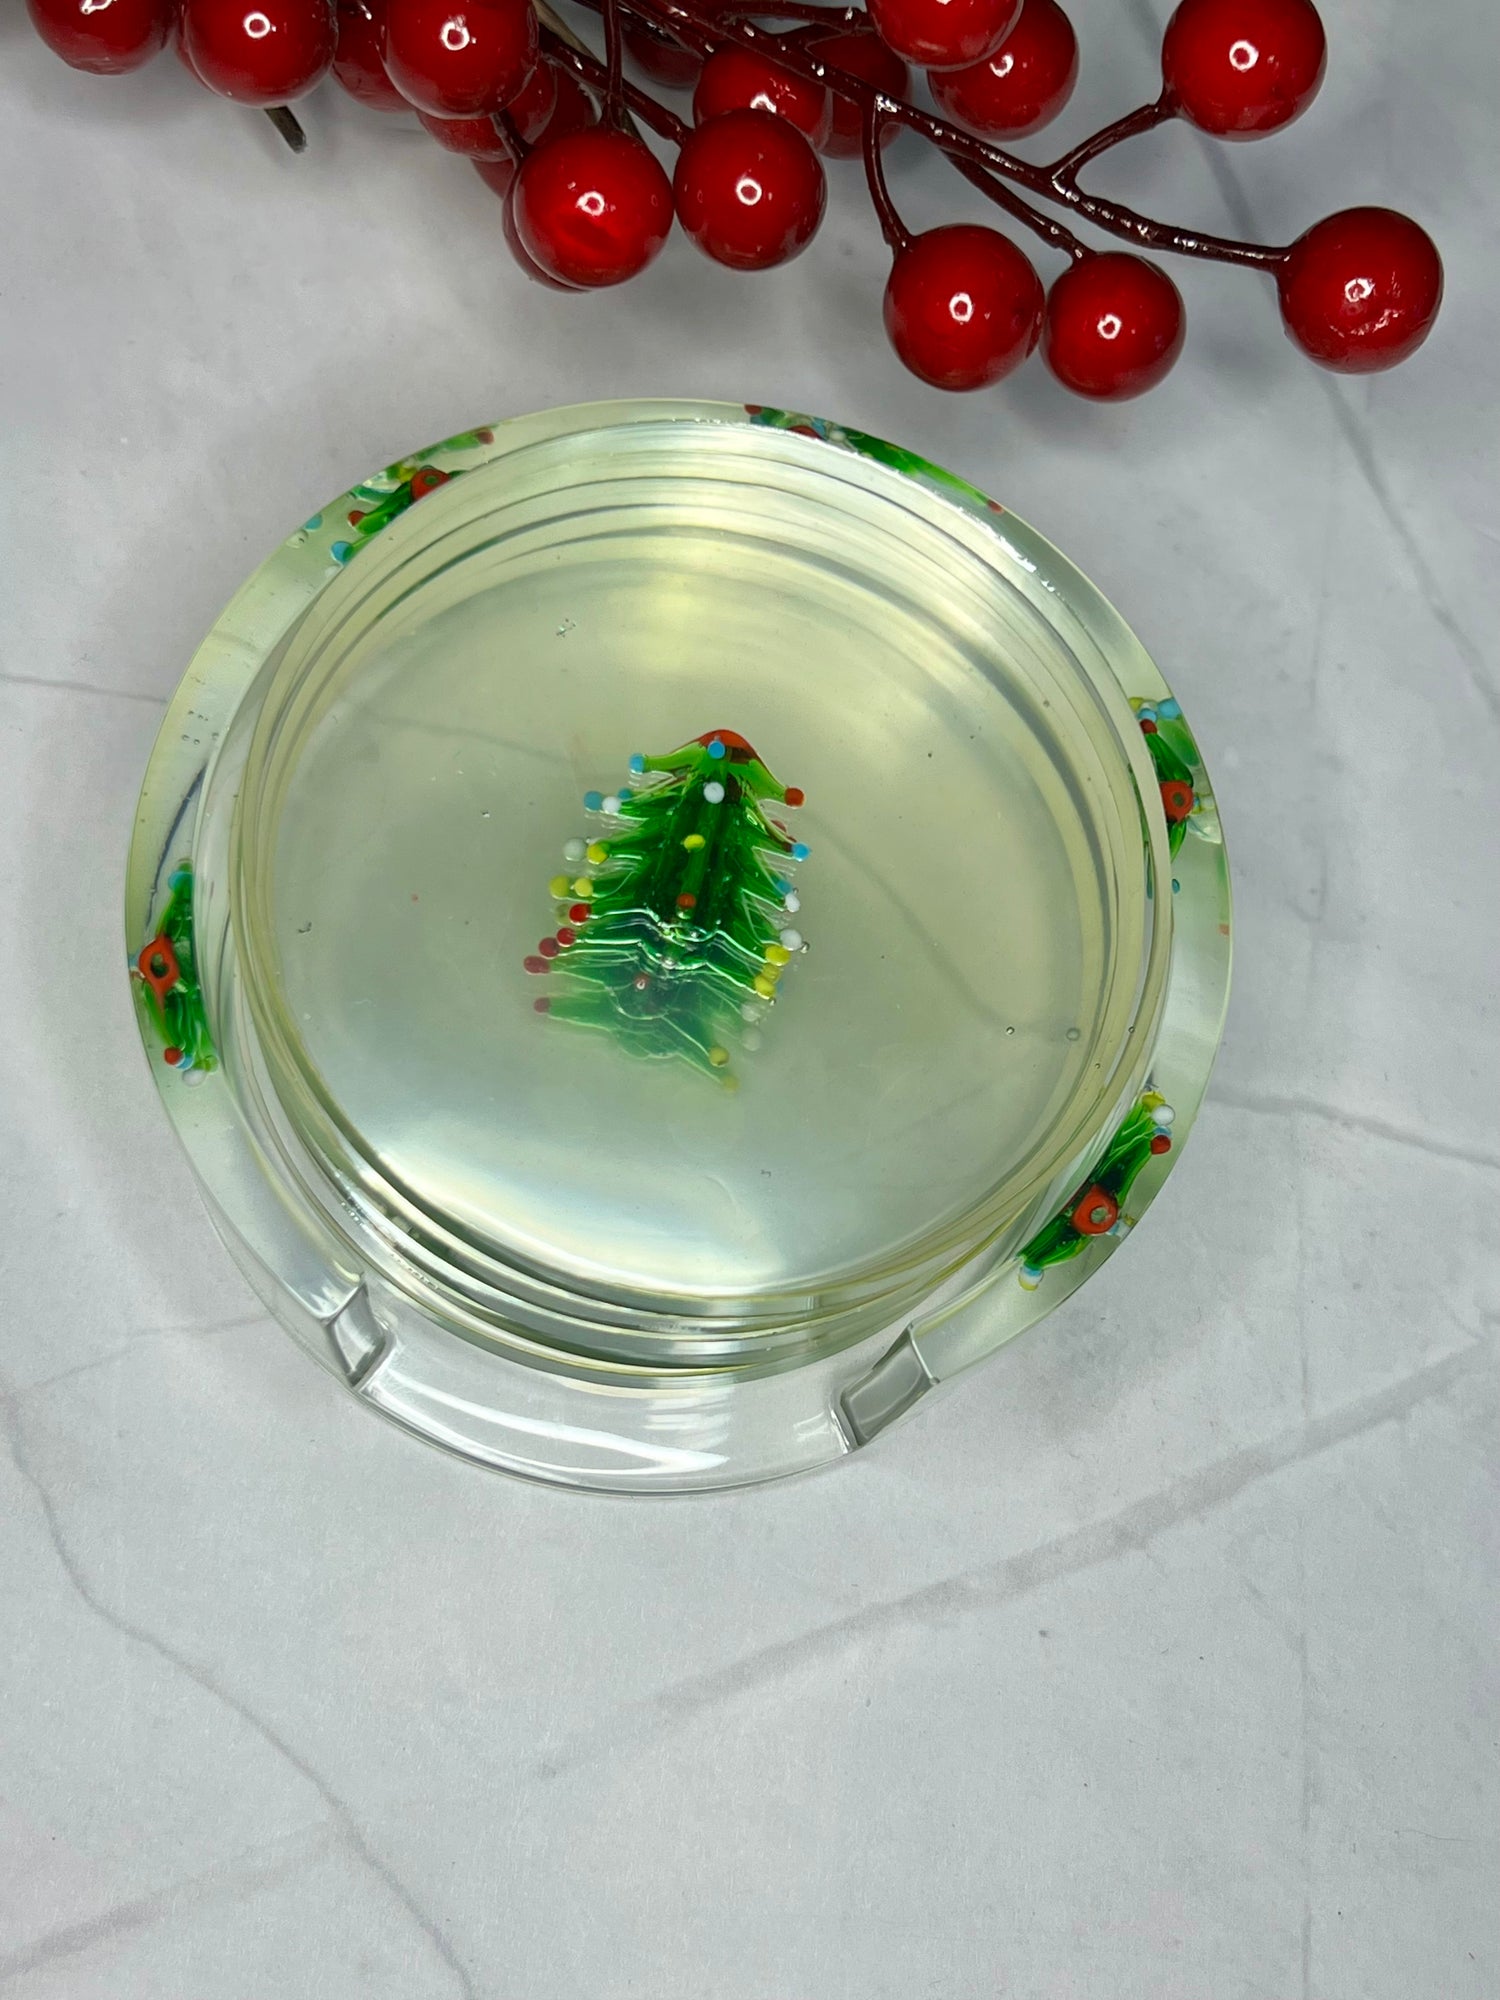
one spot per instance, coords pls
(718, 1057)
(716, 749)
(535, 964)
(549, 947)
(1169, 710)
(1160, 1143)
(597, 852)
(795, 796)
(341, 552)
(638, 763)
(567, 936)
(693, 841)
(559, 886)
(687, 900)
(593, 801)
(578, 913)
(583, 888)
(542, 1006)
(713, 791)
(801, 851)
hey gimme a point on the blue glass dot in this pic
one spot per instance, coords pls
(783, 887)
(1169, 710)
(1146, 713)
(624, 794)
(1176, 885)
(313, 521)
(716, 749)
(341, 552)
(801, 851)
(593, 801)
(638, 763)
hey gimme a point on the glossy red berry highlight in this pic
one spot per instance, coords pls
(518, 250)
(750, 190)
(1023, 85)
(963, 306)
(864, 55)
(944, 34)
(452, 58)
(1361, 289)
(103, 37)
(735, 79)
(259, 52)
(1241, 68)
(660, 56)
(1114, 326)
(358, 56)
(593, 208)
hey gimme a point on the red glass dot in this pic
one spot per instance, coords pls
(1114, 326)
(1148, 727)
(579, 913)
(172, 1056)
(259, 52)
(1160, 1143)
(453, 58)
(750, 191)
(593, 208)
(1361, 289)
(1176, 799)
(963, 306)
(565, 937)
(535, 964)
(641, 982)
(944, 34)
(427, 479)
(737, 79)
(1241, 68)
(795, 796)
(859, 53)
(1095, 1212)
(686, 901)
(1023, 85)
(103, 37)
(543, 1005)
(549, 947)
(358, 58)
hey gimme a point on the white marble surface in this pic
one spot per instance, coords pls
(1159, 1660)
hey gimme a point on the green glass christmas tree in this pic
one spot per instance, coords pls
(674, 934)
(167, 969)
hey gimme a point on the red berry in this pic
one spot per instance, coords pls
(661, 56)
(750, 191)
(455, 57)
(1239, 68)
(1023, 85)
(737, 80)
(592, 208)
(534, 103)
(573, 109)
(963, 306)
(476, 138)
(864, 55)
(499, 175)
(358, 59)
(104, 37)
(259, 51)
(1360, 290)
(518, 250)
(1113, 327)
(944, 34)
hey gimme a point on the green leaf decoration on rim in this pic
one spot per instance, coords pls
(1098, 1207)
(166, 972)
(675, 925)
(896, 456)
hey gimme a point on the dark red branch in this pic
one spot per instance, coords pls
(1047, 227)
(892, 228)
(614, 62)
(1064, 172)
(588, 69)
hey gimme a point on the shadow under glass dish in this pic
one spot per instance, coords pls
(980, 940)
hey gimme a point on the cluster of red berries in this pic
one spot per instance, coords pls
(587, 203)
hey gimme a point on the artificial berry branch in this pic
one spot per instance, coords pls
(551, 127)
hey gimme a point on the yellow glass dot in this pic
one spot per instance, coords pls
(718, 1057)
(597, 852)
(583, 888)
(765, 986)
(777, 954)
(693, 842)
(729, 1080)
(558, 886)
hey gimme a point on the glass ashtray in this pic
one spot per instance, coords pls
(669, 931)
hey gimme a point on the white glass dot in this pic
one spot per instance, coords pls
(793, 902)
(574, 850)
(792, 939)
(611, 805)
(713, 791)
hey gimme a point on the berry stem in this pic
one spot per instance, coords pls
(510, 132)
(892, 228)
(614, 63)
(588, 69)
(1051, 231)
(286, 122)
(1064, 173)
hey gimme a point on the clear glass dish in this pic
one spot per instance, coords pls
(689, 937)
